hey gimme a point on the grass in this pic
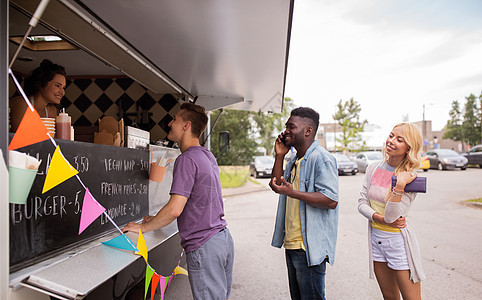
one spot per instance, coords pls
(233, 176)
(478, 200)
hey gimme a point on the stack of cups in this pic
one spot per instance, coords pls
(50, 124)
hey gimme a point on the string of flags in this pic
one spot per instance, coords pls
(32, 130)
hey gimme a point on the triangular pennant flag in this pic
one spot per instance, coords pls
(59, 171)
(162, 284)
(168, 281)
(91, 210)
(121, 242)
(149, 273)
(154, 283)
(141, 245)
(180, 270)
(31, 130)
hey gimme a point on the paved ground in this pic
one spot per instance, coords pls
(449, 234)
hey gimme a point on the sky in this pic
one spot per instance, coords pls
(392, 56)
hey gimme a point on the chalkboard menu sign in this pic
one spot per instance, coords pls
(116, 177)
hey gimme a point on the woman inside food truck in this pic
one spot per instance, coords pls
(44, 88)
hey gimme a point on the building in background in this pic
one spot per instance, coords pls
(374, 137)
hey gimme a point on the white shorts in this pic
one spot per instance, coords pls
(389, 247)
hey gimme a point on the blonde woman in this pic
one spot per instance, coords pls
(393, 249)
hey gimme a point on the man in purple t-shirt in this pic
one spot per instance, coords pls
(196, 202)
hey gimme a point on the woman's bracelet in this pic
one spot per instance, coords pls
(396, 193)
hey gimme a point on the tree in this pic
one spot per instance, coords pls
(269, 125)
(348, 116)
(480, 106)
(242, 145)
(248, 131)
(471, 122)
(465, 126)
(453, 129)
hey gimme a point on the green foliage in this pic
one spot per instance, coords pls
(242, 146)
(471, 123)
(465, 126)
(348, 116)
(269, 125)
(248, 131)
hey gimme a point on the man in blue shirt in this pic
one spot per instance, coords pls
(307, 217)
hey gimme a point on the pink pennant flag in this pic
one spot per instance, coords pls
(154, 283)
(162, 283)
(91, 210)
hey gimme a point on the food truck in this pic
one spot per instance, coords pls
(134, 62)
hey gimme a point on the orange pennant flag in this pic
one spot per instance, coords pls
(154, 284)
(59, 171)
(30, 131)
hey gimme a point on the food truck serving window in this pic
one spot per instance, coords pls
(50, 221)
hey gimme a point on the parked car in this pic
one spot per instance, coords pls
(443, 159)
(261, 166)
(345, 164)
(474, 156)
(363, 159)
(424, 163)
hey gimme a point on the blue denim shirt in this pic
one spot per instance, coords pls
(319, 226)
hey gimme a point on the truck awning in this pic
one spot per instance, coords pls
(217, 52)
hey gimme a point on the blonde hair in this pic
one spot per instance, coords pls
(413, 138)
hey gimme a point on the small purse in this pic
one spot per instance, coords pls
(418, 185)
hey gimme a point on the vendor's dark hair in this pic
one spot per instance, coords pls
(309, 113)
(41, 76)
(196, 114)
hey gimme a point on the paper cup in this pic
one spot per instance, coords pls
(21, 181)
(17, 159)
(49, 122)
(157, 172)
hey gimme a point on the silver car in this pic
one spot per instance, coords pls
(345, 165)
(261, 166)
(444, 159)
(363, 159)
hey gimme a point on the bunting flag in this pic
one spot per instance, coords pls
(141, 246)
(163, 286)
(91, 210)
(180, 270)
(154, 284)
(149, 274)
(30, 131)
(59, 171)
(121, 242)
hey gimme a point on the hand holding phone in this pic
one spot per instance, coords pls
(283, 138)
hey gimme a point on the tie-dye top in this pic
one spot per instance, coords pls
(377, 194)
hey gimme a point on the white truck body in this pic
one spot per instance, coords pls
(216, 53)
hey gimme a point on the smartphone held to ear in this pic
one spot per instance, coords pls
(283, 139)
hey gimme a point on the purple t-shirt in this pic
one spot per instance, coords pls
(196, 176)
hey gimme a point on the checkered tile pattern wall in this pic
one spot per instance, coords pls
(87, 100)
